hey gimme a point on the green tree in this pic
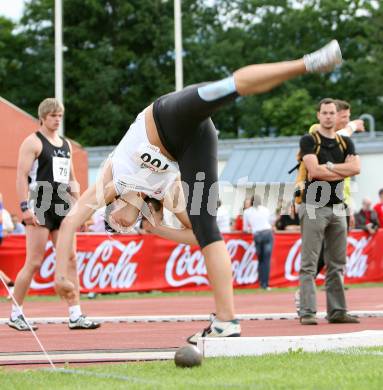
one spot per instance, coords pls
(120, 56)
(291, 114)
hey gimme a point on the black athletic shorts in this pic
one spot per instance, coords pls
(50, 208)
(186, 130)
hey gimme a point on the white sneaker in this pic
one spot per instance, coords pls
(218, 328)
(324, 59)
(83, 322)
(19, 323)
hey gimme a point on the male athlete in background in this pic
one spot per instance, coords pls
(44, 172)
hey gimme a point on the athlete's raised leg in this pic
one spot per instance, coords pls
(178, 114)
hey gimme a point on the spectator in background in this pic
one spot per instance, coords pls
(256, 220)
(238, 223)
(378, 208)
(6, 220)
(98, 218)
(367, 219)
(19, 228)
(5, 278)
(345, 127)
(223, 218)
(286, 219)
(322, 216)
(8, 281)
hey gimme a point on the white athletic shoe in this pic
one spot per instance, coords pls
(19, 323)
(218, 328)
(324, 59)
(83, 322)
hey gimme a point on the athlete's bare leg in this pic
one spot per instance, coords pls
(36, 240)
(218, 264)
(260, 78)
(256, 79)
(74, 298)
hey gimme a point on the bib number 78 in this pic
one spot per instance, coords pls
(61, 169)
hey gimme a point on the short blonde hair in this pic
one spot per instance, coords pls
(48, 106)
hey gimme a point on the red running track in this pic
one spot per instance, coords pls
(132, 336)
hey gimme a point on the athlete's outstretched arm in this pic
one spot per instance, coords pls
(92, 199)
(183, 236)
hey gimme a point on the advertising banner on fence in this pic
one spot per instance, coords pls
(112, 263)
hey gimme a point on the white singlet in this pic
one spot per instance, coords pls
(139, 166)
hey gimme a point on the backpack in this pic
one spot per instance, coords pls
(301, 177)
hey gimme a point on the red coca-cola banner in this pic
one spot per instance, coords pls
(112, 263)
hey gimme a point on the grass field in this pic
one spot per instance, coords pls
(355, 370)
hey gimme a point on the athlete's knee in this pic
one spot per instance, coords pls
(205, 229)
(63, 287)
(68, 225)
(308, 268)
(217, 89)
(33, 262)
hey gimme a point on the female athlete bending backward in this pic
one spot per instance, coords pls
(175, 137)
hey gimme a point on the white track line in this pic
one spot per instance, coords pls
(87, 357)
(10, 293)
(188, 317)
(252, 346)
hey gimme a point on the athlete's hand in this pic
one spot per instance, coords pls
(157, 215)
(147, 226)
(359, 123)
(29, 218)
(155, 221)
(124, 214)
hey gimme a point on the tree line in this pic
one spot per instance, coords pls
(119, 56)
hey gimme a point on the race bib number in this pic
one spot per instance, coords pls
(149, 156)
(61, 169)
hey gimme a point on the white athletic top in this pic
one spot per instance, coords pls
(141, 167)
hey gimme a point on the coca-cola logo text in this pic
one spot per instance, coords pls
(95, 268)
(185, 267)
(356, 265)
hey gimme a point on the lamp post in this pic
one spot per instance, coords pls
(371, 121)
(59, 85)
(178, 44)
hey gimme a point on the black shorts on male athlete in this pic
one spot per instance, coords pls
(51, 210)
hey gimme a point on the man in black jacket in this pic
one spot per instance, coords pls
(322, 215)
